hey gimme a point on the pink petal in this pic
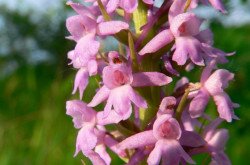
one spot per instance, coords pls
(218, 81)
(176, 8)
(185, 24)
(111, 27)
(112, 5)
(198, 104)
(141, 139)
(183, 153)
(86, 139)
(75, 109)
(101, 150)
(95, 158)
(80, 9)
(219, 139)
(150, 79)
(136, 99)
(129, 6)
(150, 2)
(112, 117)
(187, 46)
(87, 47)
(92, 67)
(217, 4)
(224, 106)
(159, 41)
(75, 26)
(155, 155)
(100, 96)
(120, 100)
(81, 81)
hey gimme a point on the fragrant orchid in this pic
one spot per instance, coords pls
(151, 119)
(214, 85)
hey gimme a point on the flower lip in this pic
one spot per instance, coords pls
(166, 127)
(117, 75)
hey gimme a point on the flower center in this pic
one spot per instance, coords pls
(120, 78)
(182, 28)
(168, 131)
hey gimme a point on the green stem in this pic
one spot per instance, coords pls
(103, 11)
(181, 105)
(140, 16)
(132, 52)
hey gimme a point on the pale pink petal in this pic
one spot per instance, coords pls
(224, 106)
(111, 27)
(86, 139)
(95, 158)
(180, 55)
(119, 98)
(199, 103)
(112, 117)
(150, 2)
(185, 24)
(92, 67)
(218, 140)
(129, 6)
(100, 96)
(75, 109)
(75, 26)
(141, 139)
(80, 9)
(155, 155)
(112, 5)
(217, 4)
(135, 98)
(183, 153)
(81, 81)
(150, 79)
(159, 41)
(176, 8)
(87, 47)
(101, 150)
(218, 81)
(188, 46)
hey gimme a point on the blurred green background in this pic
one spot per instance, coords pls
(35, 81)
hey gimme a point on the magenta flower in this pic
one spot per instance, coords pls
(83, 29)
(183, 28)
(165, 135)
(91, 136)
(118, 88)
(214, 85)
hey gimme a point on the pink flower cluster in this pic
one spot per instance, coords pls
(150, 119)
